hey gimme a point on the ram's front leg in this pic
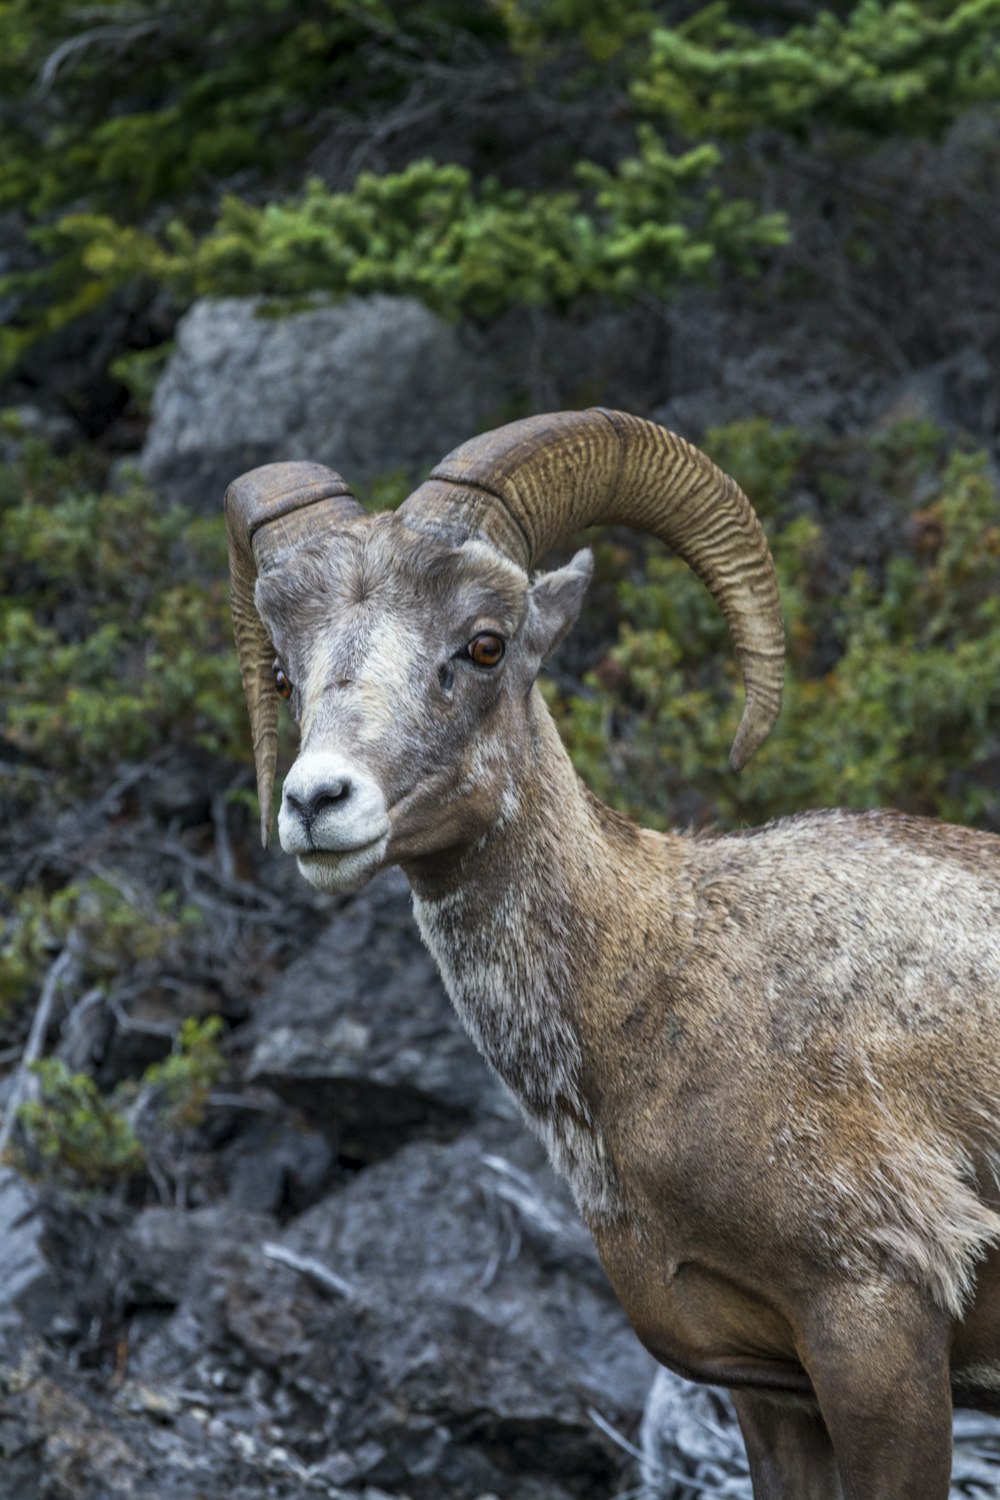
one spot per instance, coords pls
(788, 1449)
(878, 1360)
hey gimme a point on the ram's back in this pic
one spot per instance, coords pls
(870, 921)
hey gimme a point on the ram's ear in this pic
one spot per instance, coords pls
(554, 601)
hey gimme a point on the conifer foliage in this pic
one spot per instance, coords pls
(293, 147)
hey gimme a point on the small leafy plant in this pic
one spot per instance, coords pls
(76, 1138)
(73, 1136)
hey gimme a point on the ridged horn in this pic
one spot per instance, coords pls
(528, 485)
(270, 511)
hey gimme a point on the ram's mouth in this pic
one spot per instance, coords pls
(343, 870)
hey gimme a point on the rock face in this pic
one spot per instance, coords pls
(439, 1327)
(481, 1224)
(386, 1296)
(26, 1288)
(368, 386)
(360, 1036)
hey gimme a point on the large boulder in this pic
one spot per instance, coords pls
(439, 1329)
(26, 1290)
(360, 1038)
(482, 1223)
(368, 386)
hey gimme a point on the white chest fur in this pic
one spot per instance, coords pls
(507, 974)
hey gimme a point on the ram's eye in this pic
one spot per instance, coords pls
(487, 649)
(282, 686)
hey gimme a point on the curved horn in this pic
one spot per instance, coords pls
(269, 512)
(529, 484)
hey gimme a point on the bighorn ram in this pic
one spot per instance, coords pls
(768, 1063)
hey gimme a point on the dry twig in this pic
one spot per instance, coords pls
(54, 979)
(327, 1280)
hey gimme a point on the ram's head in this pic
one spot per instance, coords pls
(408, 643)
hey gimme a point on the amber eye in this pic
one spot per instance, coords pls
(486, 650)
(282, 685)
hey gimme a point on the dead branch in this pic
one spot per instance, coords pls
(54, 979)
(73, 47)
(327, 1280)
(223, 843)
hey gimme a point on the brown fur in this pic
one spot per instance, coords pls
(768, 1063)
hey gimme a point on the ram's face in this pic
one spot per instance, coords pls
(408, 664)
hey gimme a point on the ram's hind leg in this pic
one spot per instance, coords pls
(788, 1448)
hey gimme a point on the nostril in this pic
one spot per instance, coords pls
(308, 806)
(329, 796)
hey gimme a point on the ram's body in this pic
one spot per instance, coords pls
(767, 1063)
(791, 1033)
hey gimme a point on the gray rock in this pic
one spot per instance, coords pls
(275, 1166)
(477, 1334)
(369, 386)
(488, 1227)
(360, 1037)
(959, 394)
(439, 1328)
(63, 1438)
(802, 378)
(52, 1443)
(26, 1289)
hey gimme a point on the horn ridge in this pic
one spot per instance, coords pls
(528, 485)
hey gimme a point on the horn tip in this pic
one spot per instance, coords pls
(755, 726)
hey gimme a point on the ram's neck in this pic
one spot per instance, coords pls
(529, 931)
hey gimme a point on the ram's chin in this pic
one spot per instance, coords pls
(344, 871)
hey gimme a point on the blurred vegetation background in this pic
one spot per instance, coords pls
(770, 224)
(768, 165)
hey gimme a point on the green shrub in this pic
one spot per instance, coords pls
(114, 929)
(882, 67)
(34, 927)
(892, 689)
(127, 134)
(114, 624)
(181, 1083)
(434, 233)
(166, 147)
(74, 1137)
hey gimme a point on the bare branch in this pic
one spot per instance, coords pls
(615, 1436)
(70, 50)
(125, 1022)
(223, 843)
(234, 887)
(329, 1281)
(54, 979)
